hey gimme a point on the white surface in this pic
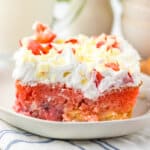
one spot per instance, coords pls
(68, 130)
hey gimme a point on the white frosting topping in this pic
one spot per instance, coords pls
(76, 65)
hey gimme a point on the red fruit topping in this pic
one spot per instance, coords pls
(114, 66)
(114, 42)
(98, 77)
(43, 33)
(128, 78)
(59, 52)
(73, 41)
(47, 48)
(35, 47)
(41, 44)
(45, 37)
(115, 45)
(39, 27)
(99, 44)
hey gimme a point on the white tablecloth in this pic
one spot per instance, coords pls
(15, 139)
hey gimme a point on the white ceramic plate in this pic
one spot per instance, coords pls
(68, 130)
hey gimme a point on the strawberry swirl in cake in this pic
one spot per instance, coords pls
(75, 79)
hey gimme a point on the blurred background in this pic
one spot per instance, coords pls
(129, 19)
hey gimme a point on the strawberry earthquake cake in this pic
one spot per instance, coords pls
(75, 79)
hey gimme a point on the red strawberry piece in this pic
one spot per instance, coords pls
(59, 52)
(35, 47)
(114, 66)
(43, 33)
(73, 41)
(98, 77)
(99, 44)
(40, 27)
(47, 37)
(115, 45)
(128, 78)
(47, 48)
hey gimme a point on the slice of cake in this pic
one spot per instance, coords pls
(77, 79)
